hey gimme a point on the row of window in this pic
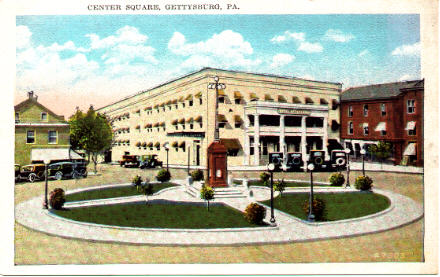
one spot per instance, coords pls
(52, 137)
(43, 116)
(366, 130)
(410, 108)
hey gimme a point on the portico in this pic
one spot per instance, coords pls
(283, 127)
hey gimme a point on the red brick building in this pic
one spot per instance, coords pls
(391, 112)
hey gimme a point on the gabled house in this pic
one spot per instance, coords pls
(40, 133)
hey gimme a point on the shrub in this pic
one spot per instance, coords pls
(137, 180)
(207, 193)
(163, 176)
(318, 207)
(264, 178)
(57, 198)
(280, 186)
(255, 213)
(337, 179)
(363, 183)
(197, 175)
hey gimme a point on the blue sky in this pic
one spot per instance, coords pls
(99, 59)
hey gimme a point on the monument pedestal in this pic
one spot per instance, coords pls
(217, 165)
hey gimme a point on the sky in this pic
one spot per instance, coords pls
(71, 61)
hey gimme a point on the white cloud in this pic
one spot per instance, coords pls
(363, 53)
(309, 47)
(125, 35)
(338, 36)
(226, 49)
(406, 77)
(22, 36)
(289, 36)
(407, 50)
(281, 59)
(307, 77)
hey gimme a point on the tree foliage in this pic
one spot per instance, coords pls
(381, 151)
(280, 186)
(207, 193)
(90, 132)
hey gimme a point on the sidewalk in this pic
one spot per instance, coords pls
(403, 210)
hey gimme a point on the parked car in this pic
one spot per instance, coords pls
(129, 161)
(62, 170)
(317, 157)
(149, 161)
(17, 172)
(338, 159)
(80, 167)
(276, 158)
(32, 172)
(294, 161)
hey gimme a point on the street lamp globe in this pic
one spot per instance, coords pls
(167, 146)
(46, 161)
(271, 167)
(311, 167)
(363, 152)
(347, 151)
(216, 78)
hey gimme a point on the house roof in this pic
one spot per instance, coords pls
(31, 101)
(380, 91)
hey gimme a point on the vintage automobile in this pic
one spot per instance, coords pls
(317, 157)
(62, 170)
(17, 172)
(129, 161)
(149, 161)
(32, 172)
(338, 159)
(276, 158)
(294, 161)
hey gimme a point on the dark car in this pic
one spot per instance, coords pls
(17, 172)
(150, 161)
(80, 167)
(294, 161)
(338, 159)
(62, 170)
(317, 157)
(32, 172)
(276, 158)
(129, 161)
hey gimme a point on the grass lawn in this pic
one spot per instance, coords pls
(338, 206)
(160, 214)
(112, 192)
(288, 184)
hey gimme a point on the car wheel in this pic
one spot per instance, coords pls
(58, 175)
(32, 177)
(75, 175)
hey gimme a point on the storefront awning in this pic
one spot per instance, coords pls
(296, 100)
(410, 150)
(189, 97)
(144, 144)
(411, 125)
(138, 143)
(157, 144)
(237, 118)
(54, 154)
(253, 96)
(174, 122)
(323, 101)
(174, 144)
(221, 92)
(231, 144)
(198, 118)
(309, 100)
(182, 120)
(237, 95)
(181, 99)
(156, 124)
(198, 94)
(221, 118)
(182, 144)
(282, 99)
(190, 119)
(150, 144)
(267, 97)
(381, 127)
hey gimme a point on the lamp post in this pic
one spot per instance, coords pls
(216, 86)
(363, 152)
(189, 155)
(167, 148)
(311, 216)
(45, 203)
(347, 153)
(271, 168)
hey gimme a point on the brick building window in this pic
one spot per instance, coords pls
(350, 128)
(52, 137)
(365, 110)
(411, 106)
(412, 132)
(30, 136)
(366, 130)
(383, 109)
(350, 111)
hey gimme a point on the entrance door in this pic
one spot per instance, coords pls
(197, 154)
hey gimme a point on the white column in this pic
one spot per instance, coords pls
(256, 139)
(303, 141)
(246, 148)
(325, 138)
(282, 136)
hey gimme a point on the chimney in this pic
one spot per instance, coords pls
(32, 96)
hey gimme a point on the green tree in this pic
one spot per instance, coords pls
(382, 150)
(280, 186)
(207, 193)
(91, 132)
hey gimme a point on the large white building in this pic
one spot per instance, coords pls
(257, 114)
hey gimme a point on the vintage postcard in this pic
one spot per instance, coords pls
(221, 137)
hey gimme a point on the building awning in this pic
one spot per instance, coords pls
(410, 150)
(182, 120)
(381, 127)
(162, 104)
(144, 144)
(147, 125)
(198, 118)
(296, 100)
(253, 96)
(157, 144)
(147, 108)
(231, 144)
(162, 123)
(150, 144)
(174, 101)
(138, 111)
(156, 124)
(174, 122)
(267, 97)
(198, 94)
(365, 124)
(182, 144)
(174, 144)
(322, 101)
(221, 118)
(138, 143)
(156, 106)
(221, 92)
(309, 100)
(411, 125)
(181, 99)
(237, 118)
(237, 95)
(138, 126)
(168, 102)
(190, 119)
(189, 97)
(54, 154)
(282, 99)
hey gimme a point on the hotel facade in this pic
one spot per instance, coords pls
(257, 114)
